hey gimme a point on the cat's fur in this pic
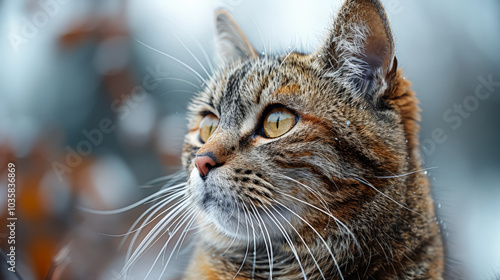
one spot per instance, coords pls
(344, 185)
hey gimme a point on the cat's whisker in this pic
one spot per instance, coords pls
(149, 240)
(183, 218)
(261, 230)
(168, 194)
(131, 206)
(235, 235)
(177, 175)
(269, 248)
(409, 173)
(248, 245)
(254, 240)
(189, 218)
(131, 230)
(287, 237)
(386, 196)
(317, 233)
(386, 257)
(186, 231)
(314, 192)
(136, 235)
(337, 221)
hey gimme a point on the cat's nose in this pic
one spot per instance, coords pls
(204, 164)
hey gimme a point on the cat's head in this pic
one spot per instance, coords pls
(312, 139)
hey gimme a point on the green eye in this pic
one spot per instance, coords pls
(208, 126)
(278, 122)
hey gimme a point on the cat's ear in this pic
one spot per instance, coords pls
(360, 48)
(231, 43)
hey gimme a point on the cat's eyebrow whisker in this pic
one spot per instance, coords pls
(287, 238)
(173, 91)
(337, 221)
(289, 53)
(194, 56)
(179, 80)
(175, 59)
(409, 173)
(317, 233)
(197, 42)
(260, 33)
(388, 197)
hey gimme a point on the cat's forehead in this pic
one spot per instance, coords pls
(244, 88)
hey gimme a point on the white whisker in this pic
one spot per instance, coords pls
(334, 218)
(287, 237)
(248, 245)
(303, 241)
(132, 206)
(388, 197)
(175, 59)
(409, 173)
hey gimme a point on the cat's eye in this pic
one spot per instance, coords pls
(208, 126)
(278, 122)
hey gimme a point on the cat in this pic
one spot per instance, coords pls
(307, 166)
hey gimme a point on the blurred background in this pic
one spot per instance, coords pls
(92, 107)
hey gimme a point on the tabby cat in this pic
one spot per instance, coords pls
(307, 166)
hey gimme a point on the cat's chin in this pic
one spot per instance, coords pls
(243, 229)
(236, 224)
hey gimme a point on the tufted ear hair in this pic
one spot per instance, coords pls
(359, 50)
(231, 43)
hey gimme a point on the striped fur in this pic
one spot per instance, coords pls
(343, 186)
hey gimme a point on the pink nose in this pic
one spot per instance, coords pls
(204, 164)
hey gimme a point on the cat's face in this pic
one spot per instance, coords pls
(298, 140)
